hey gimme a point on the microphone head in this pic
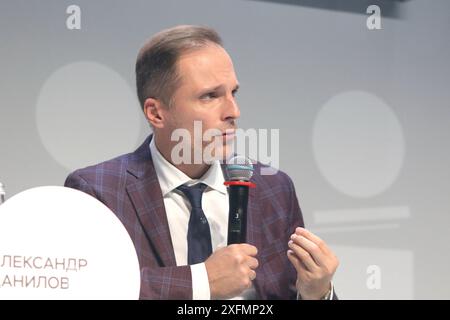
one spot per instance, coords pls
(239, 168)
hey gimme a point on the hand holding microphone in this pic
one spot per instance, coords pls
(231, 270)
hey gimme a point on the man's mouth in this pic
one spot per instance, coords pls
(229, 134)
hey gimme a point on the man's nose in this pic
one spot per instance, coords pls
(232, 110)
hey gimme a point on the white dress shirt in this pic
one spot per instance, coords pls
(215, 206)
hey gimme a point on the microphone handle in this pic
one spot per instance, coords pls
(237, 218)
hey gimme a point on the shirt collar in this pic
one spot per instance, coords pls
(170, 177)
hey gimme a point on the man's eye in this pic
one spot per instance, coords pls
(209, 96)
(234, 92)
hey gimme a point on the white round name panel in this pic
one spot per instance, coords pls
(60, 243)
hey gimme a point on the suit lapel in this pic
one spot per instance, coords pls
(146, 196)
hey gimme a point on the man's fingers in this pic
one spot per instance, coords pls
(313, 249)
(312, 237)
(245, 248)
(249, 249)
(252, 275)
(252, 263)
(297, 263)
(303, 256)
(293, 259)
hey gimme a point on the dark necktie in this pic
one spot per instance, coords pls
(199, 235)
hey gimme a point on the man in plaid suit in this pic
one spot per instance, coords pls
(184, 75)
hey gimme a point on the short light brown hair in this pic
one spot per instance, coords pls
(156, 64)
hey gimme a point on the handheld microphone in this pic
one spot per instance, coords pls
(239, 170)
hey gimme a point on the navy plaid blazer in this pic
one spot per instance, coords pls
(128, 185)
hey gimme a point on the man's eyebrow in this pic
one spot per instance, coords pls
(212, 88)
(217, 88)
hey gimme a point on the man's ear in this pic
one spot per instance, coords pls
(154, 112)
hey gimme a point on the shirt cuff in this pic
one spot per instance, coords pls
(200, 282)
(330, 297)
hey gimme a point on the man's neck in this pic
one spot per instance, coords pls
(193, 171)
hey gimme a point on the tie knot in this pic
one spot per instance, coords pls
(193, 193)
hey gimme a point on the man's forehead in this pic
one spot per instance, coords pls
(206, 67)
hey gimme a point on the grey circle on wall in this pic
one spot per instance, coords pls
(87, 113)
(358, 144)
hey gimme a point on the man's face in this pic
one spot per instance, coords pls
(206, 94)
